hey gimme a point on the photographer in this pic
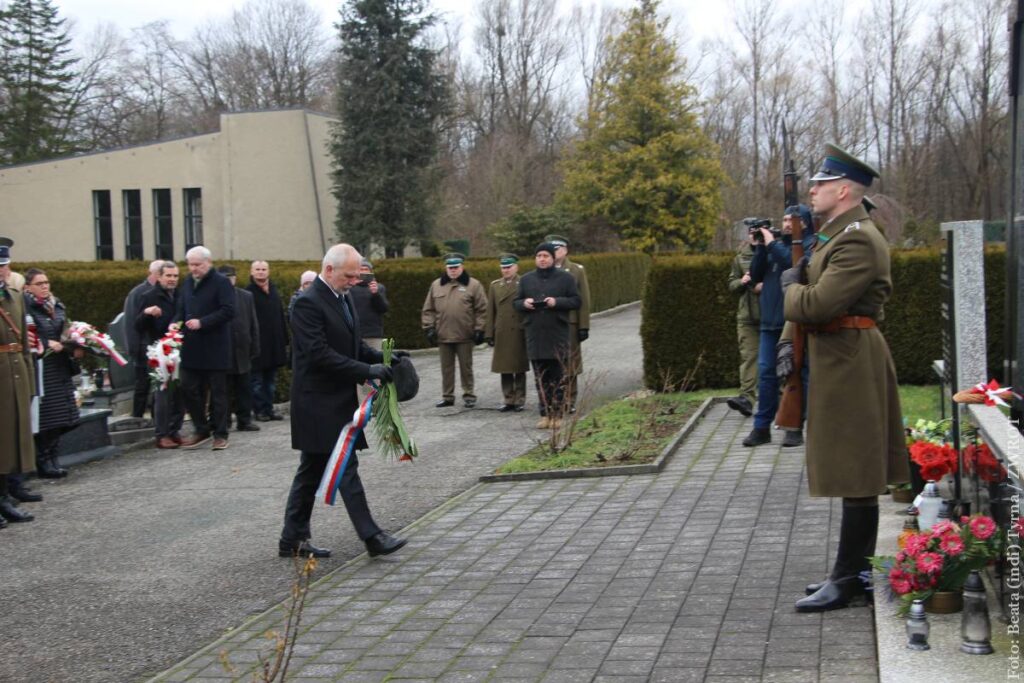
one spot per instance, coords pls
(371, 301)
(772, 255)
(748, 325)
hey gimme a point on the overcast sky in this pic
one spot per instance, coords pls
(703, 18)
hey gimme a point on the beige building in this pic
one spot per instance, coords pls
(260, 187)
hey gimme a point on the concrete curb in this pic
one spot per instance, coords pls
(617, 470)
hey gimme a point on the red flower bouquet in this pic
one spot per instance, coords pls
(979, 459)
(930, 451)
(940, 559)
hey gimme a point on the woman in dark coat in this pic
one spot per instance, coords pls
(58, 411)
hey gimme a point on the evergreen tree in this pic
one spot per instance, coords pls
(644, 165)
(391, 96)
(36, 74)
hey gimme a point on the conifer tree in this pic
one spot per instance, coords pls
(643, 164)
(391, 96)
(36, 74)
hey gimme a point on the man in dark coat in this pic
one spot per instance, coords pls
(329, 359)
(273, 347)
(157, 308)
(371, 300)
(245, 345)
(136, 350)
(206, 306)
(855, 441)
(545, 298)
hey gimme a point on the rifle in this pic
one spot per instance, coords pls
(791, 406)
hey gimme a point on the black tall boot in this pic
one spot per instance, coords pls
(858, 532)
(9, 509)
(47, 445)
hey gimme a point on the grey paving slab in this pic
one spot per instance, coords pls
(689, 574)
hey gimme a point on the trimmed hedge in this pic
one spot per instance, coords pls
(688, 313)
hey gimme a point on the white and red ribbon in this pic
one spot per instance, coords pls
(993, 393)
(89, 337)
(343, 450)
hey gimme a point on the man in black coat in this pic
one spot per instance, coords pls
(273, 352)
(371, 300)
(157, 307)
(206, 306)
(140, 398)
(545, 298)
(329, 358)
(245, 345)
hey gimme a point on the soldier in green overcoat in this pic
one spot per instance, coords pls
(855, 443)
(579, 320)
(503, 330)
(17, 384)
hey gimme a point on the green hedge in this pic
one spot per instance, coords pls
(688, 314)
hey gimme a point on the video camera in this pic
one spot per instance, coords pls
(754, 226)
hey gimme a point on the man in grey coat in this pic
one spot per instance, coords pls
(138, 352)
(245, 345)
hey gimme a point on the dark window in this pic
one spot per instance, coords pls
(102, 225)
(132, 200)
(193, 217)
(162, 228)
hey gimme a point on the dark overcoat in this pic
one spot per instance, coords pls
(547, 329)
(17, 384)
(273, 346)
(57, 407)
(131, 309)
(329, 358)
(212, 301)
(245, 333)
(505, 326)
(149, 327)
(371, 308)
(855, 441)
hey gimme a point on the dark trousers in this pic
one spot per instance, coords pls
(303, 494)
(263, 385)
(548, 376)
(240, 388)
(168, 411)
(195, 384)
(140, 399)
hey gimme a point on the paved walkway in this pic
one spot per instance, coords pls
(687, 575)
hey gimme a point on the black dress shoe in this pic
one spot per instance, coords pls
(13, 513)
(302, 549)
(444, 403)
(741, 405)
(469, 403)
(3, 523)
(793, 438)
(247, 427)
(506, 408)
(757, 437)
(22, 494)
(262, 418)
(518, 409)
(383, 543)
(276, 416)
(835, 594)
(45, 469)
(812, 588)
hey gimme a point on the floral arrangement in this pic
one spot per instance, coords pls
(91, 339)
(393, 439)
(980, 459)
(940, 559)
(990, 394)
(930, 451)
(163, 357)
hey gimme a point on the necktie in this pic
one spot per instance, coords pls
(345, 310)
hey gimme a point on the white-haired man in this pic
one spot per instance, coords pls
(206, 306)
(329, 358)
(305, 281)
(132, 310)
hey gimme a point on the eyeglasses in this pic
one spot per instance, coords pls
(37, 283)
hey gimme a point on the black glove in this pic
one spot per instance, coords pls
(783, 360)
(381, 372)
(794, 274)
(431, 336)
(399, 354)
(583, 335)
(478, 337)
(490, 341)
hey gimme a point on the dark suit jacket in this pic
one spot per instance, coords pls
(213, 303)
(245, 334)
(147, 327)
(329, 358)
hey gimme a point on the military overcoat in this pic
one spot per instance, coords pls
(578, 319)
(504, 325)
(17, 384)
(855, 443)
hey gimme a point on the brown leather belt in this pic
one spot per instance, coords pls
(852, 322)
(11, 348)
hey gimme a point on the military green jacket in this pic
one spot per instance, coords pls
(855, 443)
(17, 384)
(748, 311)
